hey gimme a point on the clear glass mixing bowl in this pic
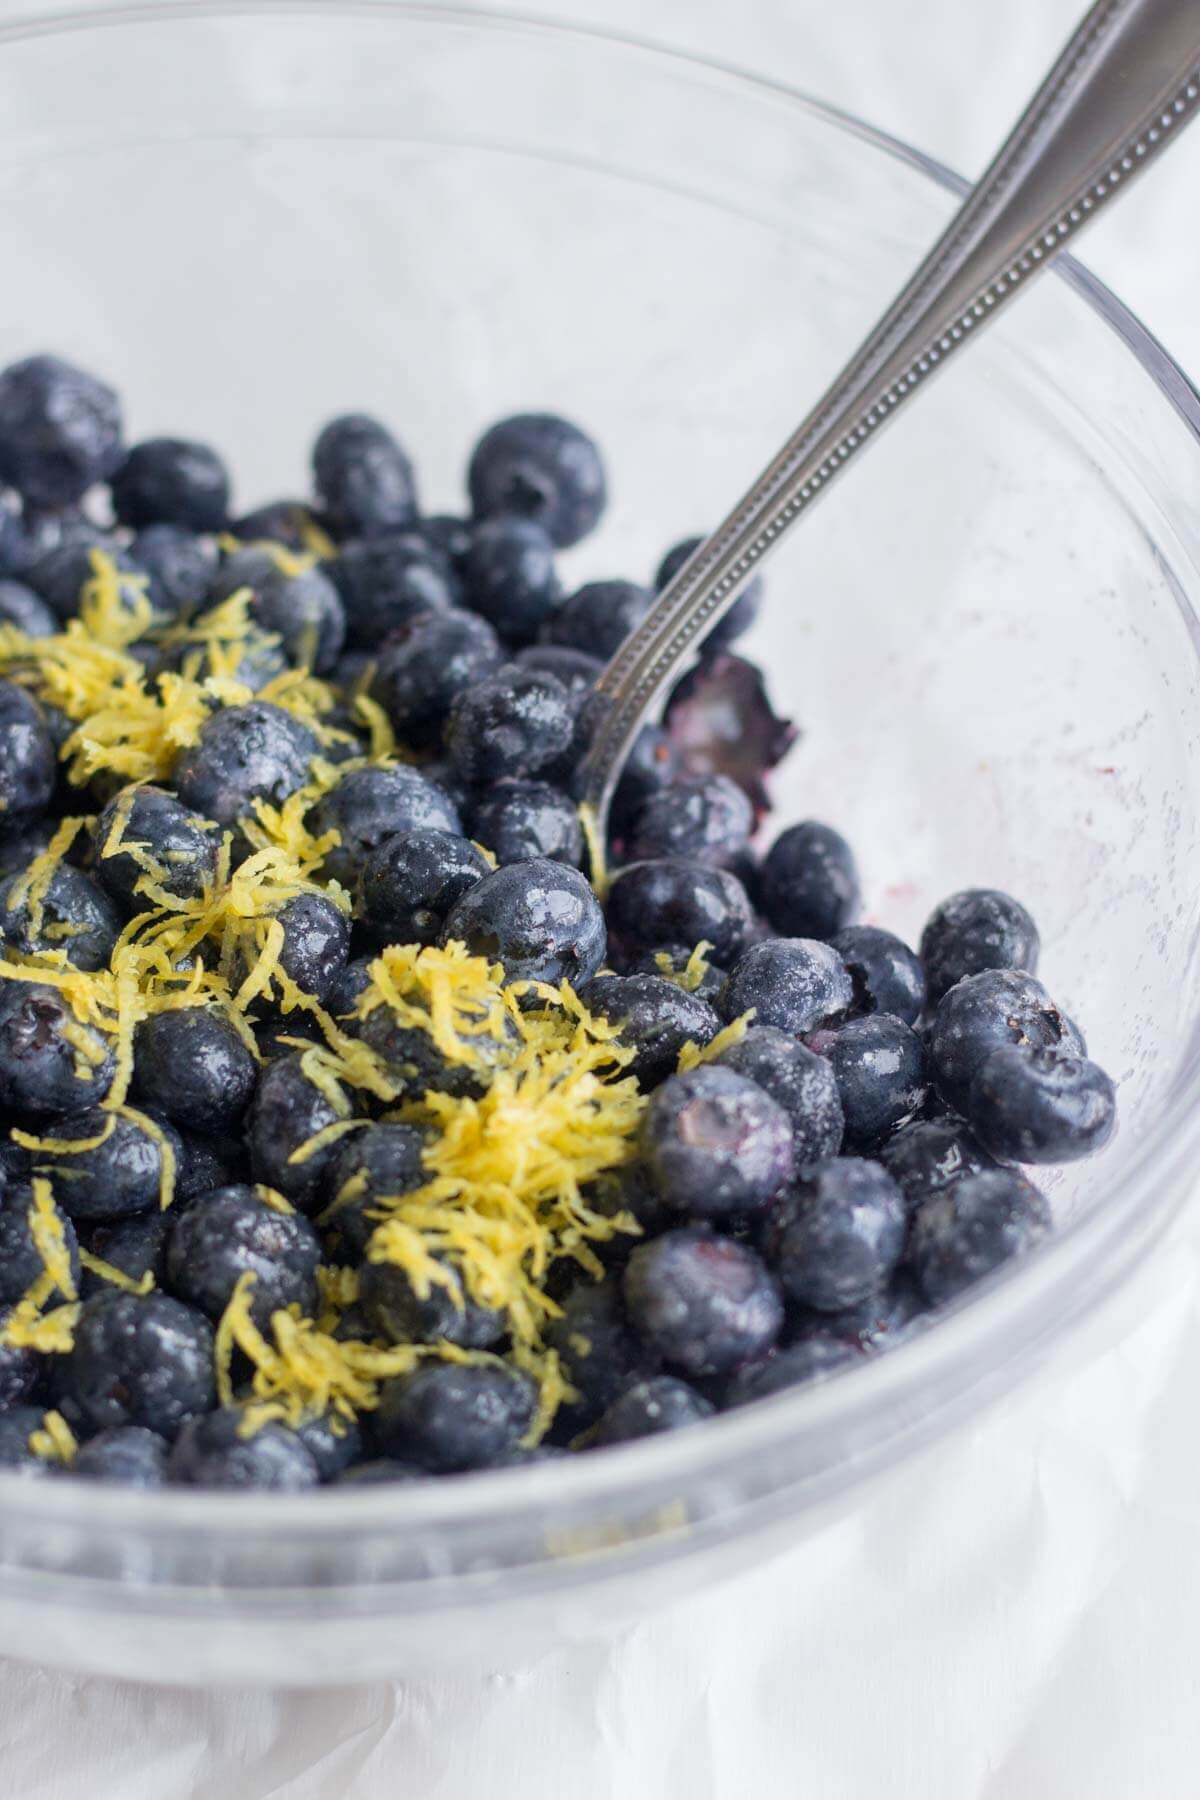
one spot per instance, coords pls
(249, 217)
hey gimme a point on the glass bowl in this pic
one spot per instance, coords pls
(249, 217)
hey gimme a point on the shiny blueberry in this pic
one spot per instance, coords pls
(838, 1234)
(21, 1261)
(879, 1063)
(316, 944)
(128, 1454)
(927, 1155)
(511, 578)
(425, 666)
(173, 849)
(27, 759)
(970, 1228)
(651, 766)
(577, 671)
(369, 806)
(363, 477)
(599, 1350)
(377, 1162)
(517, 820)
(49, 1062)
(451, 1416)
(887, 975)
(1041, 1106)
(136, 1246)
(180, 567)
(540, 467)
(716, 1144)
(285, 522)
(232, 1232)
(287, 1111)
(60, 430)
(243, 754)
(117, 1176)
(333, 1442)
(982, 1012)
(73, 914)
(703, 1303)
(302, 608)
(411, 881)
(388, 582)
(512, 722)
(674, 962)
(978, 929)
(172, 481)
(799, 1081)
(598, 617)
(216, 1452)
(796, 984)
(401, 1315)
(193, 1064)
(648, 1408)
(540, 919)
(708, 819)
(810, 882)
(654, 1017)
(674, 901)
(137, 1359)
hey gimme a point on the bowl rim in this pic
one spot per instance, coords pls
(673, 1462)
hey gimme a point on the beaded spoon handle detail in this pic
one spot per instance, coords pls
(1122, 90)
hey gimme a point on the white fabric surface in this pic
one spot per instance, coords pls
(1013, 1616)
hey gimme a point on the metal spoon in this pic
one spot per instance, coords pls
(1123, 89)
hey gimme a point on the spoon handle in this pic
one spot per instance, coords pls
(1122, 90)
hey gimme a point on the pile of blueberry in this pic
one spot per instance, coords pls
(840, 1150)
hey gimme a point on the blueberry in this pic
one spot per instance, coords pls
(193, 1064)
(673, 963)
(449, 1416)
(962, 1233)
(387, 583)
(715, 1144)
(511, 578)
(627, 1189)
(811, 1359)
(881, 1319)
(180, 567)
(73, 915)
(518, 820)
(411, 881)
(648, 1408)
(370, 806)
(703, 1303)
(137, 1246)
(364, 478)
(810, 882)
(451, 537)
(172, 847)
(172, 481)
(19, 1372)
(277, 522)
(231, 1232)
(120, 1176)
(20, 1259)
(927, 1155)
(414, 1062)
(27, 758)
(540, 467)
(378, 1161)
(540, 919)
(887, 975)
(20, 606)
(981, 1012)
(600, 1352)
(316, 943)
(303, 609)
(206, 1162)
(244, 753)
(577, 671)
(511, 722)
(62, 574)
(654, 1017)
(352, 980)
(978, 929)
(1041, 1106)
(425, 666)
(212, 1452)
(60, 430)
(708, 819)
(651, 766)
(796, 984)
(838, 1234)
(382, 1470)
(879, 1063)
(332, 1441)
(402, 1316)
(137, 1359)
(128, 1454)
(598, 617)
(49, 1062)
(741, 614)
(803, 1084)
(674, 901)
(16, 1428)
(289, 1109)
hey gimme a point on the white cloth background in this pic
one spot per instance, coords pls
(1017, 1614)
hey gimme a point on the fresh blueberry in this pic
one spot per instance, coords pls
(796, 984)
(20, 606)
(838, 1234)
(232, 1232)
(27, 758)
(370, 806)
(193, 1064)
(518, 820)
(172, 848)
(1041, 1106)
(927, 1155)
(212, 1452)
(577, 671)
(876, 1322)
(810, 882)
(449, 1416)
(411, 881)
(353, 979)
(425, 666)
(879, 1063)
(966, 1230)
(599, 1351)
(285, 522)
(72, 915)
(978, 929)
(799, 1081)
(673, 962)
(364, 478)
(651, 766)
(654, 1017)
(20, 1259)
(715, 1144)
(16, 1428)
(205, 1162)
(511, 578)
(652, 905)
(377, 1162)
(741, 614)
(811, 1359)
(303, 609)
(708, 819)
(540, 467)
(388, 582)
(136, 1246)
(402, 1316)
(61, 574)
(137, 1359)
(511, 722)
(333, 1442)
(450, 536)
(172, 481)
(887, 975)
(60, 430)
(244, 753)
(180, 567)
(49, 1062)
(128, 1454)
(288, 1109)
(663, 1403)
(598, 617)
(120, 1175)
(540, 919)
(414, 1061)
(981, 1012)
(703, 1303)
(316, 944)
(628, 1190)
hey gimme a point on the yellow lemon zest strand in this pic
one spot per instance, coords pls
(106, 1271)
(30, 888)
(49, 1238)
(54, 1441)
(693, 971)
(692, 1055)
(594, 840)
